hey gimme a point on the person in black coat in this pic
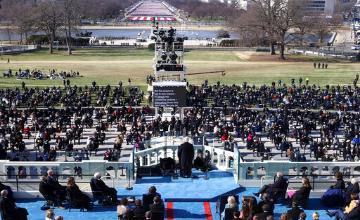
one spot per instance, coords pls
(76, 197)
(8, 208)
(157, 209)
(97, 185)
(294, 212)
(265, 212)
(8, 188)
(48, 192)
(55, 186)
(186, 157)
(340, 184)
(354, 214)
(302, 195)
(139, 211)
(279, 185)
(353, 187)
(266, 200)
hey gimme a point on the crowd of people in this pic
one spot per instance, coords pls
(261, 206)
(39, 75)
(88, 96)
(297, 94)
(318, 131)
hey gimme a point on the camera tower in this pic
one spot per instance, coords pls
(169, 55)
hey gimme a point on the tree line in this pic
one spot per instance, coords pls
(268, 22)
(56, 17)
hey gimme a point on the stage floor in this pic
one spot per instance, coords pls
(184, 198)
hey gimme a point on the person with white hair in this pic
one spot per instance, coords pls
(186, 158)
(231, 204)
(9, 210)
(101, 191)
(277, 188)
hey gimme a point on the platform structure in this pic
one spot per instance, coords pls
(169, 55)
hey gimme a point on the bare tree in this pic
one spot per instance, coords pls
(71, 19)
(48, 19)
(323, 25)
(274, 18)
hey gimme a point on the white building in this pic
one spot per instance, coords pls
(325, 7)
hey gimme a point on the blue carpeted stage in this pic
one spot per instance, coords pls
(185, 198)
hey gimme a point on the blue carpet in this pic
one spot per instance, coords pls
(189, 210)
(187, 190)
(187, 196)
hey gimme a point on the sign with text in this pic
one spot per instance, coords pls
(169, 96)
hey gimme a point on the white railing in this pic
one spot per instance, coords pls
(167, 146)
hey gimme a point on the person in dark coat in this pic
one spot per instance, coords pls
(139, 211)
(302, 195)
(157, 208)
(294, 212)
(99, 186)
(8, 208)
(186, 157)
(55, 186)
(77, 198)
(8, 188)
(340, 184)
(48, 192)
(279, 185)
(266, 211)
(353, 187)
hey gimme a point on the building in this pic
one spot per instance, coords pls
(324, 7)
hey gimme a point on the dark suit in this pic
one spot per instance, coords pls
(157, 211)
(186, 158)
(354, 214)
(139, 213)
(99, 186)
(280, 185)
(47, 191)
(352, 188)
(340, 184)
(54, 185)
(78, 198)
(9, 211)
(7, 207)
(294, 213)
(263, 215)
(302, 195)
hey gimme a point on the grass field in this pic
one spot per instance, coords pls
(109, 66)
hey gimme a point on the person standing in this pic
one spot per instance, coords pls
(186, 157)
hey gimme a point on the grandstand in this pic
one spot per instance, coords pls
(149, 10)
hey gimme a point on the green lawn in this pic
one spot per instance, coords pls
(109, 66)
